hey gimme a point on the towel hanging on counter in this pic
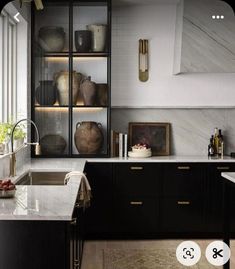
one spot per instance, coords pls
(84, 193)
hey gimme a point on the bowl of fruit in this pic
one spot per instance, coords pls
(7, 188)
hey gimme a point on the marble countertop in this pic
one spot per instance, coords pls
(229, 175)
(167, 159)
(55, 203)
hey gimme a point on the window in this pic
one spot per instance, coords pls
(14, 58)
(8, 65)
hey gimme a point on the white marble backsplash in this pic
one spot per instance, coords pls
(190, 128)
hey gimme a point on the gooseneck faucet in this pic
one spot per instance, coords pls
(13, 153)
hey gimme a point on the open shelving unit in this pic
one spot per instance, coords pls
(57, 120)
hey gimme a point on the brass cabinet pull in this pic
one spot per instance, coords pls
(183, 167)
(136, 203)
(183, 202)
(223, 167)
(74, 221)
(137, 167)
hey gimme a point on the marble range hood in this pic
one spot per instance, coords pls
(204, 44)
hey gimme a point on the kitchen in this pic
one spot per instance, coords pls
(185, 89)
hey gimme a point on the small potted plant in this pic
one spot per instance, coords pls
(19, 136)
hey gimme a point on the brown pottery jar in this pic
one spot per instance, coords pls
(88, 137)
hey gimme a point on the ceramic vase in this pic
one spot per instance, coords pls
(101, 94)
(83, 40)
(88, 91)
(88, 137)
(51, 39)
(62, 85)
(46, 93)
(98, 40)
(53, 144)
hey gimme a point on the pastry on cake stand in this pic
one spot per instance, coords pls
(140, 151)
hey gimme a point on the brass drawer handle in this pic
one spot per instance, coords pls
(223, 167)
(137, 168)
(74, 221)
(183, 167)
(183, 202)
(136, 203)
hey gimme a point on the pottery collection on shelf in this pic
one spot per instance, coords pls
(46, 93)
(62, 84)
(52, 144)
(88, 137)
(51, 38)
(98, 40)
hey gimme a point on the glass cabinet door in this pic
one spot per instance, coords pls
(50, 93)
(71, 77)
(90, 60)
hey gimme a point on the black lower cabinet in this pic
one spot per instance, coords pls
(184, 215)
(214, 199)
(98, 218)
(154, 200)
(35, 245)
(183, 199)
(136, 216)
(41, 244)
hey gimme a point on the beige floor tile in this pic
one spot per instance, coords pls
(93, 250)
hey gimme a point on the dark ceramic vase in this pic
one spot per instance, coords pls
(88, 137)
(83, 40)
(53, 144)
(46, 93)
(88, 91)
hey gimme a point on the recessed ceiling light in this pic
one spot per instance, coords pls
(217, 17)
(213, 17)
(222, 17)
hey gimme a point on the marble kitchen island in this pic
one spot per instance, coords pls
(41, 227)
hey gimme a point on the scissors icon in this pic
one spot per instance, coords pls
(217, 253)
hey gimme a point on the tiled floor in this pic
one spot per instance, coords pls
(94, 250)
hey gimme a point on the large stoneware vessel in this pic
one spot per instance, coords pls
(62, 84)
(88, 137)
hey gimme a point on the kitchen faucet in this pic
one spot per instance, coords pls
(13, 153)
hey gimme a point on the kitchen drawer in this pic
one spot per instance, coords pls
(182, 215)
(137, 179)
(136, 215)
(183, 179)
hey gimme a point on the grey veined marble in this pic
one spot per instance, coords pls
(203, 42)
(190, 128)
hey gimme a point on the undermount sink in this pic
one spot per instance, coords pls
(43, 178)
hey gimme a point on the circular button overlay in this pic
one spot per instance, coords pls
(188, 253)
(218, 253)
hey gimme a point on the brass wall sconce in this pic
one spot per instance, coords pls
(143, 60)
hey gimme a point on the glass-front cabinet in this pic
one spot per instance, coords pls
(71, 57)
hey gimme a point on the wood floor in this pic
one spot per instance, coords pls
(93, 250)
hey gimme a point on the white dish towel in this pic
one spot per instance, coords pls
(84, 193)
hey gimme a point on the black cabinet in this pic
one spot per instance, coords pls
(153, 200)
(98, 218)
(39, 244)
(137, 188)
(214, 199)
(70, 121)
(183, 198)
